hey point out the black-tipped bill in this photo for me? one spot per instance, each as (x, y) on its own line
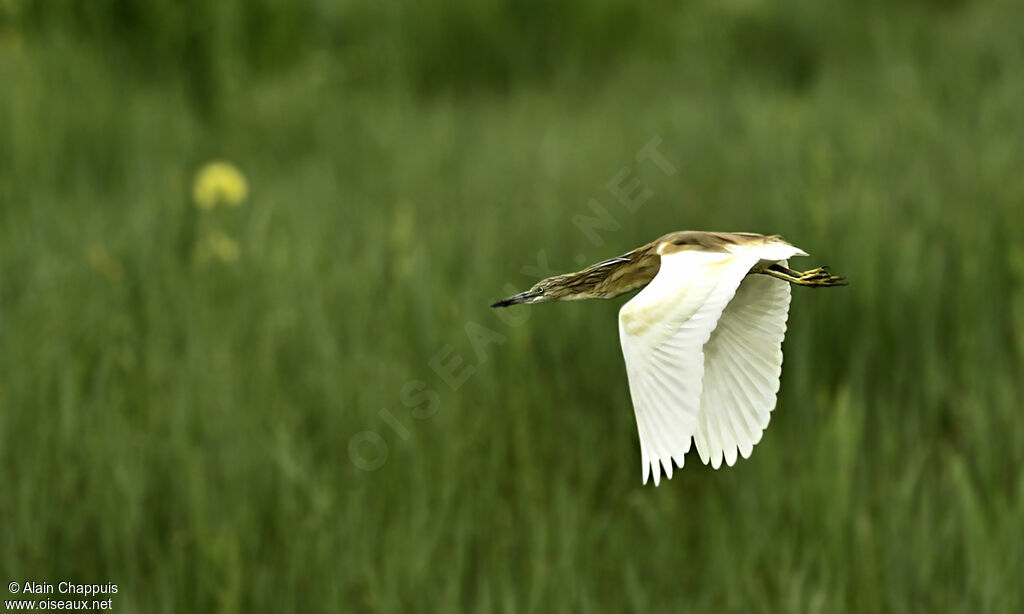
(522, 297)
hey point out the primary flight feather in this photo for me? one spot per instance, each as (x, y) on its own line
(702, 340)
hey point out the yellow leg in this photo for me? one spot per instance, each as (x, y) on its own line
(815, 278)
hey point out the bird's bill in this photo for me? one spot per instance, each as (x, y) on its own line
(523, 297)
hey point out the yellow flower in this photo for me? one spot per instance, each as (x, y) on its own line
(219, 183)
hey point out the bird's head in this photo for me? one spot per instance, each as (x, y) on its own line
(550, 289)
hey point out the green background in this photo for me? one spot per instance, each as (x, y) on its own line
(186, 429)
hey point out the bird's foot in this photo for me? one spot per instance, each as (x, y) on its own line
(819, 277)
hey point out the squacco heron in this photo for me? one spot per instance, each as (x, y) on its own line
(702, 340)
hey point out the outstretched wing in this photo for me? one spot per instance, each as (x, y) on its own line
(742, 364)
(663, 330)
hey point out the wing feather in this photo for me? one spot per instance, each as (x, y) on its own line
(663, 330)
(742, 363)
(703, 350)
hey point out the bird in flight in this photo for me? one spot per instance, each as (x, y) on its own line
(702, 340)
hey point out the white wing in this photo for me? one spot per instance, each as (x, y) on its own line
(663, 330)
(742, 364)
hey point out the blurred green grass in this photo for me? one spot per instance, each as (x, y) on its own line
(183, 430)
